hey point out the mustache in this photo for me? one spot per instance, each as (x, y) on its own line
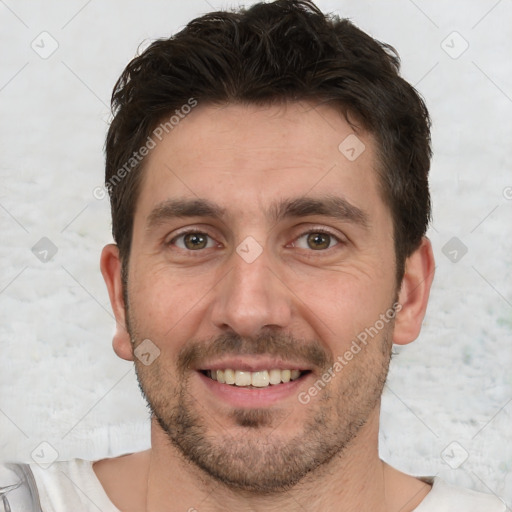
(283, 345)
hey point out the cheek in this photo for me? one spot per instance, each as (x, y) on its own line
(340, 305)
(162, 301)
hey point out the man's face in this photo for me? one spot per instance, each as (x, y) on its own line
(259, 245)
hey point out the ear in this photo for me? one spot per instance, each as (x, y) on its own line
(414, 293)
(110, 264)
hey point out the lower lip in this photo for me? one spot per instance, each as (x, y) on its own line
(253, 397)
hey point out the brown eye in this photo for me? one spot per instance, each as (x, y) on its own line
(318, 241)
(194, 241)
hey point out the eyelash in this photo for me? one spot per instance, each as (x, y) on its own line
(308, 232)
(185, 233)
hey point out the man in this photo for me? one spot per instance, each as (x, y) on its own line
(267, 171)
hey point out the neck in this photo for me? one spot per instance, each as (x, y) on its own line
(354, 480)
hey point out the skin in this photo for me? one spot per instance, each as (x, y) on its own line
(304, 299)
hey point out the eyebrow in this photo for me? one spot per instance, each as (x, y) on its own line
(328, 206)
(181, 208)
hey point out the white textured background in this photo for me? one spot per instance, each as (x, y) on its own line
(61, 383)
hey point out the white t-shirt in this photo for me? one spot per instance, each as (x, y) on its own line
(73, 486)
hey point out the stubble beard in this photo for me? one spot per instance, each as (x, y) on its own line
(255, 457)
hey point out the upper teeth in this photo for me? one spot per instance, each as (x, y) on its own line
(259, 379)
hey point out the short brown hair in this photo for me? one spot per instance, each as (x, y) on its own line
(287, 50)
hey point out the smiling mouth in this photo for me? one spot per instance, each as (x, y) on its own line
(259, 379)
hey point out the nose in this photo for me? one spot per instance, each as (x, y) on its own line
(251, 297)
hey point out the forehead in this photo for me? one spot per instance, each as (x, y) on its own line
(246, 156)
